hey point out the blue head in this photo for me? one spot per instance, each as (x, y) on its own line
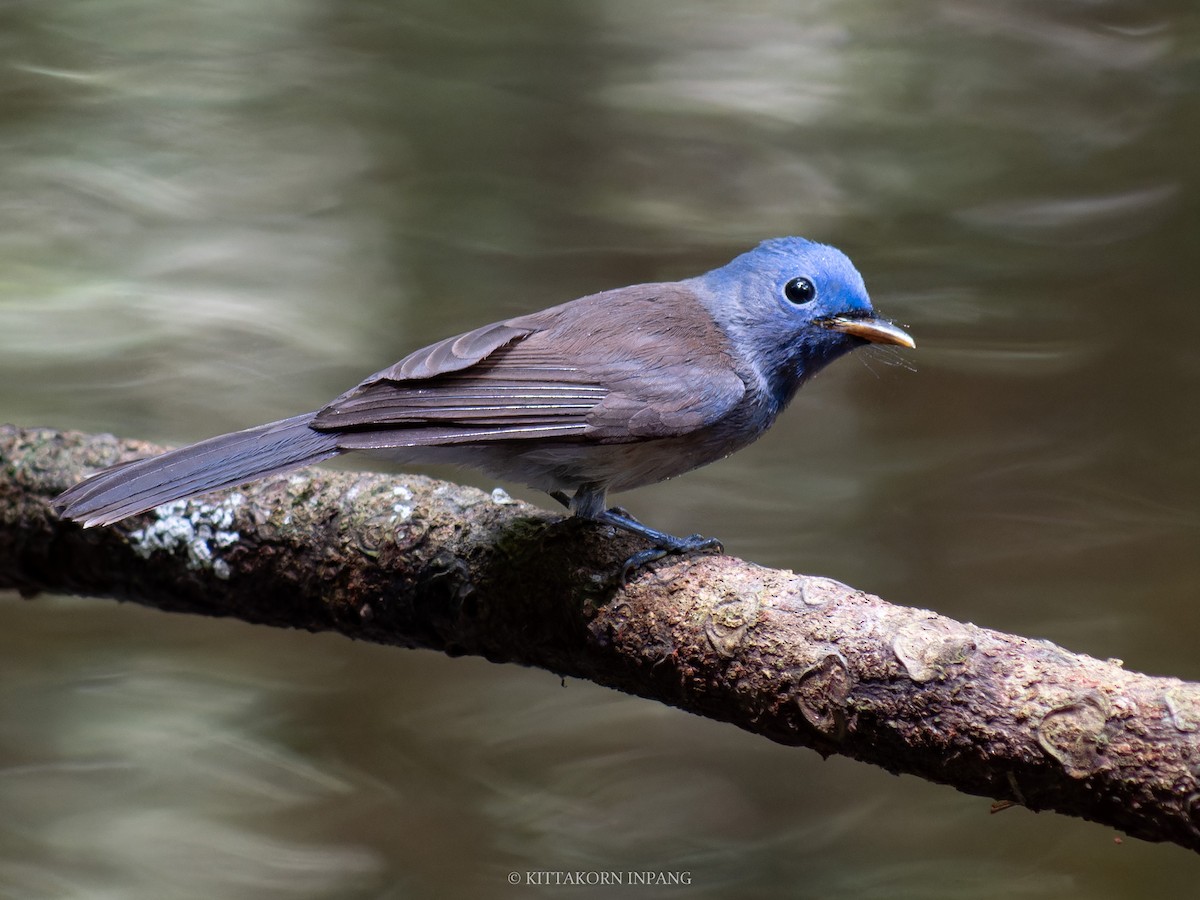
(791, 307)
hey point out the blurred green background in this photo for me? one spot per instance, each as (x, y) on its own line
(217, 213)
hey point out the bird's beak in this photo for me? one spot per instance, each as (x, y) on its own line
(877, 331)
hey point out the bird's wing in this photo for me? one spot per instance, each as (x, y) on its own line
(630, 364)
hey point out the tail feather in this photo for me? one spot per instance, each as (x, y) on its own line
(219, 462)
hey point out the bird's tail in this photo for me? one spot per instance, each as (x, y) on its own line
(219, 462)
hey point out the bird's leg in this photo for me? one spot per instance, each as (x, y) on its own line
(663, 542)
(588, 502)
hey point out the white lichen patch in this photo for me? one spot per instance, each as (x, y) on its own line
(200, 529)
(402, 509)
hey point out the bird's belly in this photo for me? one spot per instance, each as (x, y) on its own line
(566, 465)
(617, 466)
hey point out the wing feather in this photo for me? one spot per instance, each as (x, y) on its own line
(453, 353)
(576, 371)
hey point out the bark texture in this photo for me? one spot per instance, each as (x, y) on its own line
(804, 661)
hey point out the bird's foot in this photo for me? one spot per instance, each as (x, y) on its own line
(696, 543)
(664, 544)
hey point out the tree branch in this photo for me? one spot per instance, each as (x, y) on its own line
(804, 661)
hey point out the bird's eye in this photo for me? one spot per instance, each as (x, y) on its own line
(799, 290)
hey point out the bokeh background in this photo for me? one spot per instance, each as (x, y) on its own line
(216, 213)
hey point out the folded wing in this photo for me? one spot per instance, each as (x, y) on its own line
(630, 364)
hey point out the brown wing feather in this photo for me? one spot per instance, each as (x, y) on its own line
(578, 370)
(453, 354)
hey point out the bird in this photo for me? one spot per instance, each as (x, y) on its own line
(608, 392)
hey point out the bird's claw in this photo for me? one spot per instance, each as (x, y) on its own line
(639, 559)
(696, 543)
(661, 543)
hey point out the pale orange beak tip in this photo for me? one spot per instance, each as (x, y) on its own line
(877, 331)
